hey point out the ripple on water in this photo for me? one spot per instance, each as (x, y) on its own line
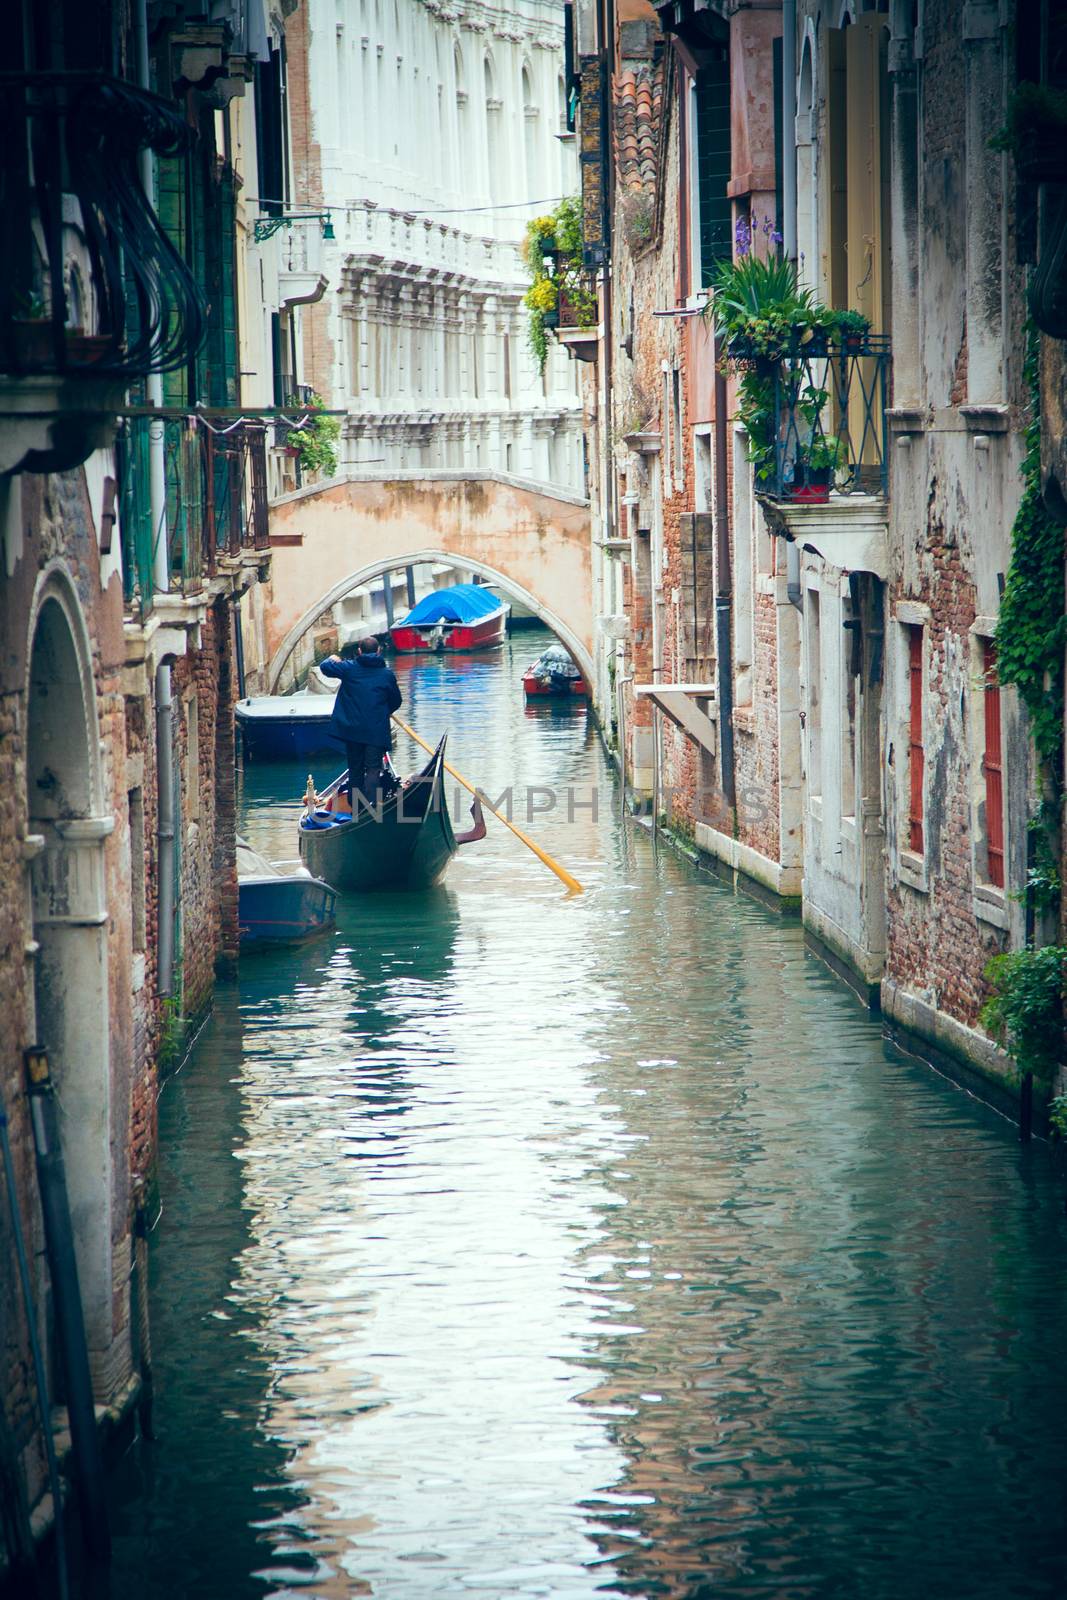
(585, 1247)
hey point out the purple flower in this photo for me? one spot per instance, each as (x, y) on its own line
(743, 235)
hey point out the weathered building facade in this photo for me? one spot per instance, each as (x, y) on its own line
(429, 138)
(133, 518)
(804, 679)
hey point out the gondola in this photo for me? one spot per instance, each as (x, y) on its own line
(405, 840)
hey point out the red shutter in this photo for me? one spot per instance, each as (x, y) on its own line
(916, 755)
(993, 769)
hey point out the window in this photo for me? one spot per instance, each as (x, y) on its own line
(814, 708)
(916, 754)
(744, 587)
(668, 441)
(713, 165)
(676, 429)
(992, 768)
(848, 722)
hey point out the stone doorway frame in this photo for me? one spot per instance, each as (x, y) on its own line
(68, 824)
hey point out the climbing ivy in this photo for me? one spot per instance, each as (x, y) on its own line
(1030, 630)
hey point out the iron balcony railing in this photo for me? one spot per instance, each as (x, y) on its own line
(830, 430)
(91, 282)
(215, 501)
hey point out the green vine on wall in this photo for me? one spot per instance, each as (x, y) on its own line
(1025, 1011)
(317, 440)
(1030, 630)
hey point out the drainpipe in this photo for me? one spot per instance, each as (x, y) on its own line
(789, 129)
(157, 480)
(72, 1347)
(723, 588)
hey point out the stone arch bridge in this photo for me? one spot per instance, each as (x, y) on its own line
(326, 541)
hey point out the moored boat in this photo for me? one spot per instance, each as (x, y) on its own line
(405, 840)
(285, 727)
(464, 616)
(279, 902)
(554, 674)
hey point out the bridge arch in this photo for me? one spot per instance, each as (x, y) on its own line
(375, 569)
(533, 540)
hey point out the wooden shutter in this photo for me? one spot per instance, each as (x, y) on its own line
(697, 612)
(916, 754)
(993, 769)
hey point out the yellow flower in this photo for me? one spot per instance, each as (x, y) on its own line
(541, 296)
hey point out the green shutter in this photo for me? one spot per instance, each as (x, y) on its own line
(713, 164)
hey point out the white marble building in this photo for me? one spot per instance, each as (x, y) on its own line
(440, 131)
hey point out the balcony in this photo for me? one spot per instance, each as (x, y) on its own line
(93, 293)
(822, 467)
(210, 518)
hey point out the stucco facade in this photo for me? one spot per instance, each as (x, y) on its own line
(809, 691)
(121, 579)
(431, 138)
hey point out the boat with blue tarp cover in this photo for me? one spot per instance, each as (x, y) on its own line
(465, 616)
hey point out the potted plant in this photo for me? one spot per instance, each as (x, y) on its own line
(815, 338)
(816, 465)
(558, 295)
(315, 444)
(852, 328)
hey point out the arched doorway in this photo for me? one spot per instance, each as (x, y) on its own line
(66, 829)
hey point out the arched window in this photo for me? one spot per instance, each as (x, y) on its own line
(462, 112)
(531, 133)
(566, 142)
(494, 129)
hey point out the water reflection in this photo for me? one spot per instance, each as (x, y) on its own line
(518, 1245)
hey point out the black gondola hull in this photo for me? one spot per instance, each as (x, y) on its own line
(405, 842)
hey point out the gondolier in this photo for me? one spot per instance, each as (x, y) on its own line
(367, 697)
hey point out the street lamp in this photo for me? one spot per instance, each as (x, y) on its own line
(266, 227)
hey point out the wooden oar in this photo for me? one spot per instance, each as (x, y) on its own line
(561, 872)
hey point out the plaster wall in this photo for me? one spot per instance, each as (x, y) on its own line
(954, 491)
(433, 138)
(339, 535)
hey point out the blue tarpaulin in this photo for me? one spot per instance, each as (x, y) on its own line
(463, 602)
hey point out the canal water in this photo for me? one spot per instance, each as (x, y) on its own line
(522, 1245)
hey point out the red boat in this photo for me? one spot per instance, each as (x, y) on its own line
(554, 675)
(461, 617)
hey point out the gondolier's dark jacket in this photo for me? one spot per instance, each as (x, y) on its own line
(368, 693)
